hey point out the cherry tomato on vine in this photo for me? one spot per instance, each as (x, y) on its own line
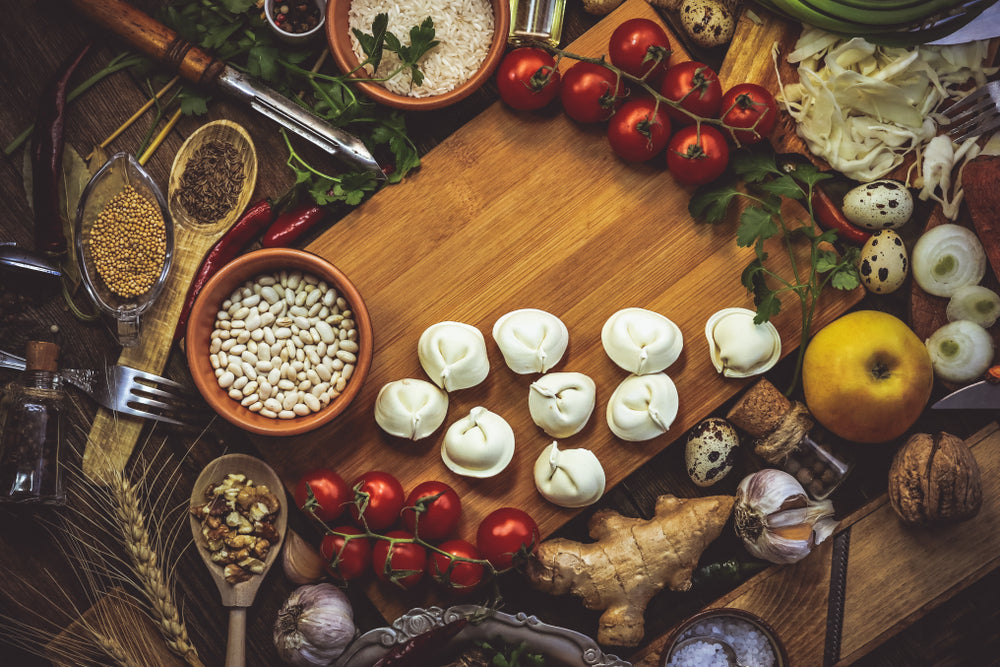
(347, 558)
(749, 105)
(590, 93)
(696, 87)
(328, 488)
(641, 48)
(697, 154)
(432, 519)
(407, 564)
(504, 534)
(639, 130)
(527, 78)
(381, 497)
(464, 576)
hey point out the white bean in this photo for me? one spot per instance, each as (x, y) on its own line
(239, 383)
(226, 380)
(301, 409)
(286, 414)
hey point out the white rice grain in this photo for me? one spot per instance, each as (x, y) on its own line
(464, 29)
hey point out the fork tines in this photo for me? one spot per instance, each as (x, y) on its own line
(154, 396)
(975, 114)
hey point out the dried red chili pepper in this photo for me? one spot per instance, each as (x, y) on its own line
(291, 225)
(252, 222)
(829, 216)
(423, 648)
(46, 158)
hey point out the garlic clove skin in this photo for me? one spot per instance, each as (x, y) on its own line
(740, 348)
(642, 407)
(301, 563)
(641, 341)
(410, 408)
(453, 354)
(776, 519)
(569, 478)
(481, 444)
(531, 340)
(561, 403)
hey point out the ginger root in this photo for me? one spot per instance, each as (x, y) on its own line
(631, 561)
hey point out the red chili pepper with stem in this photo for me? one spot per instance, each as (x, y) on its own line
(251, 223)
(291, 225)
(46, 158)
(829, 216)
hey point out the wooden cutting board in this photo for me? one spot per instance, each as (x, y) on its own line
(531, 210)
(895, 575)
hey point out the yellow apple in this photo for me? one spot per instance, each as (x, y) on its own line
(867, 376)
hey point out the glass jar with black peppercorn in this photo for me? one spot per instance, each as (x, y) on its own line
(31, 431)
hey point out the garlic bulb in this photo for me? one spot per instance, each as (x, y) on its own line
(314, 626)
(777, 520)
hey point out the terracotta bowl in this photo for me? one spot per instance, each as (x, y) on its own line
(338, 36)
(201, 323)
(780, 654)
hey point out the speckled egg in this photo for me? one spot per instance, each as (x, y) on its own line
(711, 451)
(884, 204)
(883, 263)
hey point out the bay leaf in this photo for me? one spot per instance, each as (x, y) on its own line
(75, 176)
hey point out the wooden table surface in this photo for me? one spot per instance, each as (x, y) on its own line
(38, 36)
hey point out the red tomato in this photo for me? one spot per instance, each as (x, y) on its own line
(697, 154)
(463, 576)
(749, 105)
(639, 130)
(432, 519)
(406, 566)
(347, 558)
(696, 87)
(590, 93)
(527, 78)
(380, 496)
(641, 48)
(329, 490)
(506, 533)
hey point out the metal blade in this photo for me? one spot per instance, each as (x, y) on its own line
(982, 395)
(335, 141)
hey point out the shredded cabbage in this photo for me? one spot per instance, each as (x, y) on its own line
(863, 108)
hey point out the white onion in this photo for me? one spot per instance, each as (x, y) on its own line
(976, 303)
(961, 351)
(947, 257)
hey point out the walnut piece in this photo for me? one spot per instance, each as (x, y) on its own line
(935, 479)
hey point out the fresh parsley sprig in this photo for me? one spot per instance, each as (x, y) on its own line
(381, 39)
(766, 186)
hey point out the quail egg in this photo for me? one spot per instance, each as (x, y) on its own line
(710, 451)
(883, 204)
(883, 263)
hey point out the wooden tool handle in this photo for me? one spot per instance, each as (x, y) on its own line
(236, 646)
(152, 38)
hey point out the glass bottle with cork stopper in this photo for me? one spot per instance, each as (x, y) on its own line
(786, 435)
(31, 431)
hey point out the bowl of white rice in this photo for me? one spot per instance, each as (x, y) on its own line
(753, 641)
(472, 36)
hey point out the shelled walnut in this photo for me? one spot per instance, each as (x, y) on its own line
(237, 522)
(935, 479)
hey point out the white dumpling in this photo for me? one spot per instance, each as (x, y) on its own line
(642, 407)
(531, 340)
(570, 477)
(481, 444)
(641, 341)
(453, 355)
(410, 408)
(561, 403)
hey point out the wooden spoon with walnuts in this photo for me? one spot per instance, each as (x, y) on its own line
(238, 519)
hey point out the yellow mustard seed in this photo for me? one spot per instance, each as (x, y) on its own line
(129, 243)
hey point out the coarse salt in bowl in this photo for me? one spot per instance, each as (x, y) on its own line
(755, 643)
(472, 35)
(247, 270)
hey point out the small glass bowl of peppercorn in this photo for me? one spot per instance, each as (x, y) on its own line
(295, 21)
(124, 240)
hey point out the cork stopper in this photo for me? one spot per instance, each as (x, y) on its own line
(41, 356)
(761, 410)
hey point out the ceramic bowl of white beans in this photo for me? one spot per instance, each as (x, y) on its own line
(279, 342)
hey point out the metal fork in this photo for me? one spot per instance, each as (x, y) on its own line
(130, 391)
(975, 114)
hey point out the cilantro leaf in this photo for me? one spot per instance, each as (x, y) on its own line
(755, 223)
(262, 62)
(711, 203)
(754, 166)
(783, 186)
